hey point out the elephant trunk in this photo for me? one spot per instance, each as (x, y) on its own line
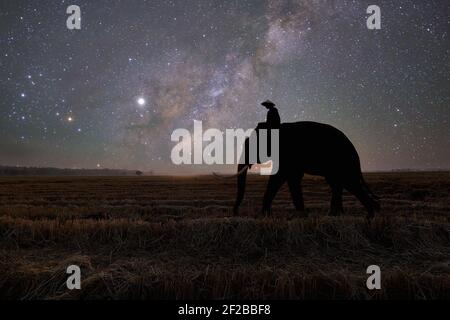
(241, 180)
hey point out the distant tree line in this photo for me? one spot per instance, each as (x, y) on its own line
(36, 171)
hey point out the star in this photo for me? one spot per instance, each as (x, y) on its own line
(141, 101)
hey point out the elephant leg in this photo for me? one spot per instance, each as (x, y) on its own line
(336, 206)
(357, 189)
(295, 187)
(274, 184)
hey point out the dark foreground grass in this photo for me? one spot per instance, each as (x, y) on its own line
(146, 238)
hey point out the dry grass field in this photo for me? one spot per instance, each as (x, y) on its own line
(175, 238)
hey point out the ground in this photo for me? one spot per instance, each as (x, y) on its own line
(176, 238)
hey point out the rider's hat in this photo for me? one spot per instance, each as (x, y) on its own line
(268, 104)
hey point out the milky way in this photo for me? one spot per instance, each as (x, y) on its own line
(110, 95)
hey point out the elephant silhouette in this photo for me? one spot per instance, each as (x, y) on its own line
(316, 149)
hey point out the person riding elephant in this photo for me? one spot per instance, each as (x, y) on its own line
(273, 118)
(273, 121)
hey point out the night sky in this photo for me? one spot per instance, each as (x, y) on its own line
(110, 94)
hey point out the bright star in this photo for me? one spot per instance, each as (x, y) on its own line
(141, 101)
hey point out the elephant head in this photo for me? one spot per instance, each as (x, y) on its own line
(251, 155)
